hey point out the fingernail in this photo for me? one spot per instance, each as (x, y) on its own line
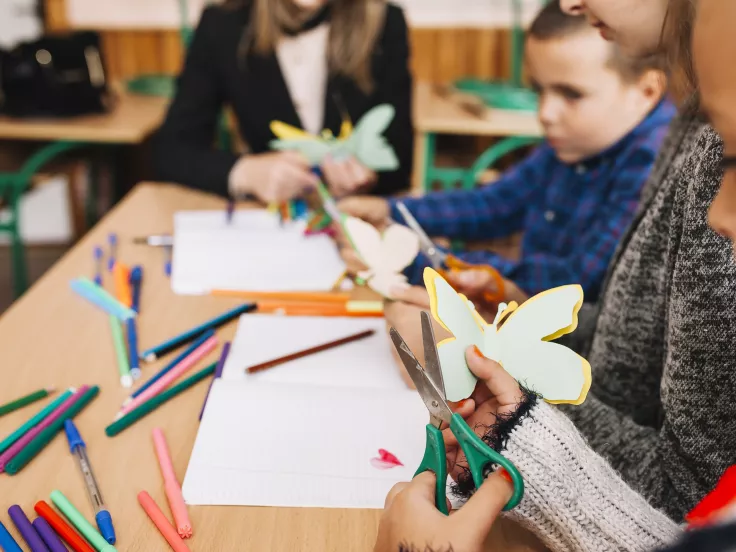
(503, 473)
(477, 352)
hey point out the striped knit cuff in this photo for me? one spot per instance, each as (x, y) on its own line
(573, 499)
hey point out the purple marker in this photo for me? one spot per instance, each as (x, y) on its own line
(48, 535)
(98, 265)
(218, 373)
(230, 209)
(21, 521)
(113, 241)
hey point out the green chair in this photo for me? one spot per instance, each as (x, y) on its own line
(12, 187)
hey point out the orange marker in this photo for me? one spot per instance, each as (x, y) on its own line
(121, 275)
(162, 524)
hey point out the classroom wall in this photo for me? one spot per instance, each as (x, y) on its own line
(440, 53)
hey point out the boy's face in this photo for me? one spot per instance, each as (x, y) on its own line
(584, 105)
(714, 49)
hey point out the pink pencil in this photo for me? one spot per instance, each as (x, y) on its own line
(20, 444)
(198, 354)
(171, 485)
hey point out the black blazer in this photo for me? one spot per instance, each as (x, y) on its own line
(213, 76)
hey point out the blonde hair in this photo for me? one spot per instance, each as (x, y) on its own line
(355, 26)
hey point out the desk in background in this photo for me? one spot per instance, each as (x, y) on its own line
(440, 113)
(50, 336)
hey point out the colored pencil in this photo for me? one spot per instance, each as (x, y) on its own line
(23, 442)
(23, 524)
(300, 310)
(183, 367)
(7, 542)
(146, 408)
(136, 282)
(171, 365)
(46, 436)
(310, 351)
(34, 420)
(171, 485)
(62, 528)
(121, 355)
(218, 374)
(175, 342)
(26, 400)
(48, 535)
(158, 518)
(289, 296)
(80, 523)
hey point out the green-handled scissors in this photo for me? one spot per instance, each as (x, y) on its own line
(430, 385)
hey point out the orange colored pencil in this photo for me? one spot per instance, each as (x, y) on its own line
(308, 296)
(308, 310)
(123, 292)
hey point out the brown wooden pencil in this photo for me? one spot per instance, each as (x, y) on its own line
(307, 352)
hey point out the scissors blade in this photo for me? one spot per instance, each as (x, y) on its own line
(433, 399)
(432, 365)
(427, 245)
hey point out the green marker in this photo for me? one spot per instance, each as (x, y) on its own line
(6, 443)
(80, 523)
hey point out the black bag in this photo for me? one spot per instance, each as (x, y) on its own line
(54, 76)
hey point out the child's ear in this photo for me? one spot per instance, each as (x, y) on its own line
(653, 84)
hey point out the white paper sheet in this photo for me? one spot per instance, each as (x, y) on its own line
(287, 445)
(364, 363)
(253, 254)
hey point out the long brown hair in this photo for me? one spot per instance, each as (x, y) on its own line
(677, 49)
(355, 26)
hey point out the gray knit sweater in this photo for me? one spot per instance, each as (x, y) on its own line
(659, 425)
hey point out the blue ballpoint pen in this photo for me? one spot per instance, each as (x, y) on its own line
(79, 450)
(136, 279)
(113, 240)
(132, 333)
(98, 265)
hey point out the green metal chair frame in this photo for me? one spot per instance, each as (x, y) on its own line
(12, 187)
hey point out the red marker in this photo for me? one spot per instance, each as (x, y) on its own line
(61, 527)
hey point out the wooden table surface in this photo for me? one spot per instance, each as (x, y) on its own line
(51, 337)
(131, 121)
(441, 114)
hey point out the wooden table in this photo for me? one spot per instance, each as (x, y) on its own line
(441, 113)
(50, 336)
(131, 121)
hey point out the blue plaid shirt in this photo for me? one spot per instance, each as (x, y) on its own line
(572, 216)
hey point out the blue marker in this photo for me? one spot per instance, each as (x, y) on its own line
(136, 279)
(167, 262)
(113, 241)
(98, 265)
(79, 450)
(132, 332)
(7, 542)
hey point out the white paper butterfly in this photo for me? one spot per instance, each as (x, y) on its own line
(386, 255)
(522, 345)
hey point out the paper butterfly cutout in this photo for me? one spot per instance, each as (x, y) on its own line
(521, 345)
(365, 142)
(385, 460)
(717, 505)
(386, 255)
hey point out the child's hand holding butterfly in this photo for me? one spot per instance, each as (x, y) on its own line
(496, 394)
(373, 210)
(347, 176)
(474, 282)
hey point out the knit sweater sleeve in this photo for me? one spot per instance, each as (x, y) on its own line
(574, 499)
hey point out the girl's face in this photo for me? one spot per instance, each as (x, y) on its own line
(635, 25)
(714, 49)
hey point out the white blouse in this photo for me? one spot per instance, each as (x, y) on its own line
(303, 62)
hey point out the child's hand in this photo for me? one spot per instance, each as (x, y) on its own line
(353, 263)
(347, 176)
(474, 282)
(411, 520)
(272, 177)
(373, 210)
(496, 394)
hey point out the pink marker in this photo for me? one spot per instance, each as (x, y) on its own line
(171, 486)
(170, 377)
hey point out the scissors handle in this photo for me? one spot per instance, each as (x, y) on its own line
(435, 460)
(493, 297)
(480, 455)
